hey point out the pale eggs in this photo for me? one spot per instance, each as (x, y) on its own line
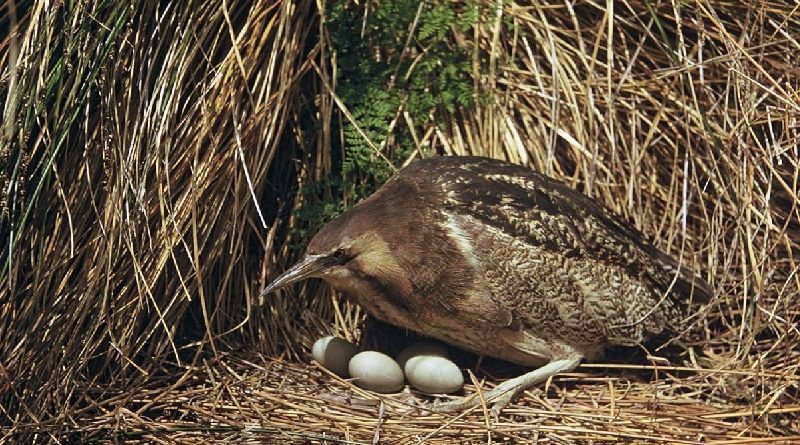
(434, 374)
(428, 369)
(375, 371)
(334, 354)
(420, 349)
(424, 364)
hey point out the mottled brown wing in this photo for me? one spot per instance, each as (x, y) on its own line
(584, 268)
(548, 213)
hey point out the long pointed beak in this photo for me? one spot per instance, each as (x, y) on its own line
(307, 267)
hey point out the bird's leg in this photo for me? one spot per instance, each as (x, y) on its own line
(505, 392)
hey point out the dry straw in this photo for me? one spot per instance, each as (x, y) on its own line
(150, 157)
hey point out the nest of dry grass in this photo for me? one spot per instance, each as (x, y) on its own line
(151, 159)
(256, 399)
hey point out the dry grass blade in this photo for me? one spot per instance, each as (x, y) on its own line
(142, 135)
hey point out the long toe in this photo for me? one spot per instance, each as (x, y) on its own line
(505, 392)
(503, 400)
(501, 395)
(457, 405)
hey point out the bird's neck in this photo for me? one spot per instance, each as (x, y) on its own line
(381, 298)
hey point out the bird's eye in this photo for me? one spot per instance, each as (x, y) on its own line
(339, 254)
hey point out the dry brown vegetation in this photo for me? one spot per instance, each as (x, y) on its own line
(151, 157)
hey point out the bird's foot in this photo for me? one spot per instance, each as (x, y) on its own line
(503, 400)
(453, 406)
(411, 404)
(502, 394)
(500, 397)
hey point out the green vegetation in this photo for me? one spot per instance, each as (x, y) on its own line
(396, 58)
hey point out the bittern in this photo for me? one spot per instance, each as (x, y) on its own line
(502, 261)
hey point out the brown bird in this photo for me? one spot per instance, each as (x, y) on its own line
(502, 261)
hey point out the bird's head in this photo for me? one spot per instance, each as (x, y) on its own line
(344, 252)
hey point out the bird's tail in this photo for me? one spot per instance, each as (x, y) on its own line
(685, 283)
